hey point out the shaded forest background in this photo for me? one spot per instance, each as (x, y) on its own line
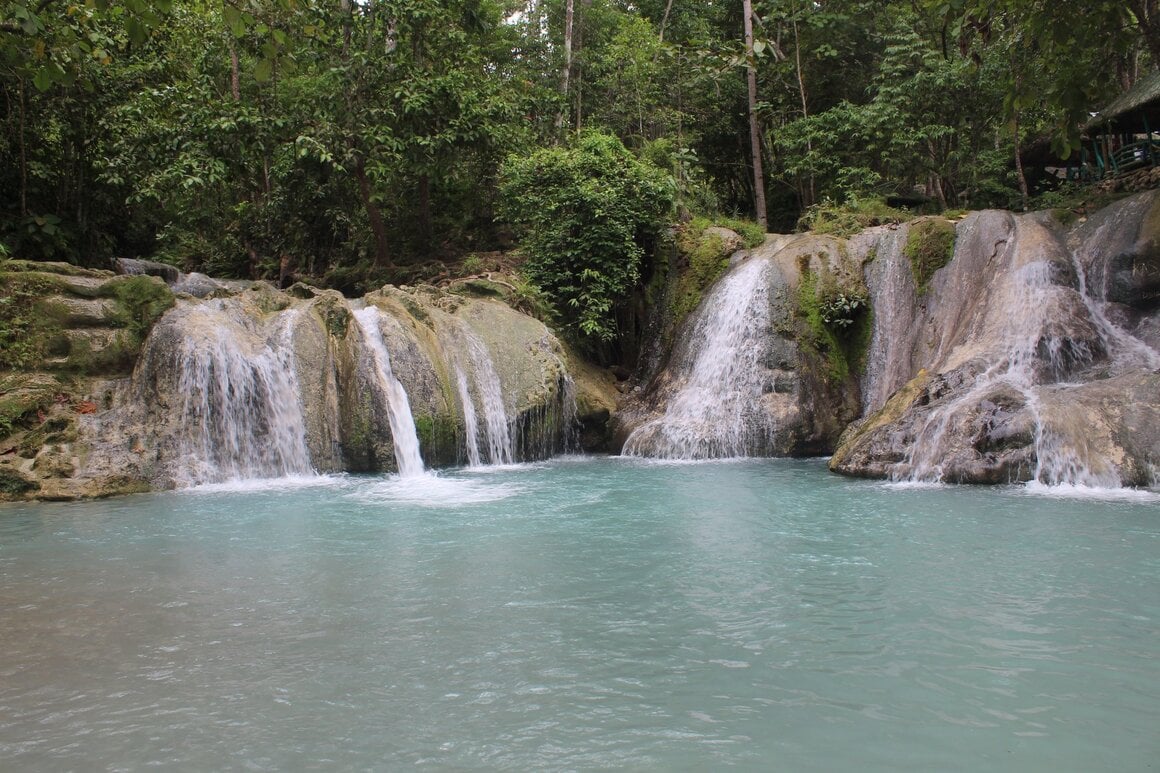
(345, 140)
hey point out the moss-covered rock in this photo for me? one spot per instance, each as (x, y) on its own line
(24, 397)
(14, 485)
(930, 245)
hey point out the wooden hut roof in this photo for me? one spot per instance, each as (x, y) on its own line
(1134, 108)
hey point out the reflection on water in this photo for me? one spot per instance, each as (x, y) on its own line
(582, 614)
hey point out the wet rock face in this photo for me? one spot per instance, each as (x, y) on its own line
(263, 383)
(1038, 349)
(758, 370)
(256, 382)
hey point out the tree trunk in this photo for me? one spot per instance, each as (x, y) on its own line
(566, 75)
(1023, 191)
(347, 9)
(374, 215)
(23, 156)
(235, 70)
(665, 21)
(797, 55)
(577, 45)
(1147, 13)
(424, 196)
(754, 128)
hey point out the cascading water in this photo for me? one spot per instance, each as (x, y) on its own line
(715, 413)
(496, 431)
(470, 421)
(1035, 356)
(240, 403)
(403, 433)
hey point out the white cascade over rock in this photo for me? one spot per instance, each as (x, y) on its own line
(490, 441)
(403, 432)
(237, 386)
(714, 413)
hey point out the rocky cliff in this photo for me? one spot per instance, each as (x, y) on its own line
(995, 348)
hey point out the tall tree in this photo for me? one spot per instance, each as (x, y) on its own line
(754, 126)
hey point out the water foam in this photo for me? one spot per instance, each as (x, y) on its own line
(433, 490)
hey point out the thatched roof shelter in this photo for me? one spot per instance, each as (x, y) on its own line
(1136, 110)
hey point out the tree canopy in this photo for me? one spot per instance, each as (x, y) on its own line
(338, 136)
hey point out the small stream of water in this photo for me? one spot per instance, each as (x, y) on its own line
(403, 433)
(715, 412)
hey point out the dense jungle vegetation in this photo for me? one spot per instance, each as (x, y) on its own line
(360, 141)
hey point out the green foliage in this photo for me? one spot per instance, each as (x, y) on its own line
(526, 296)
(841, 310)
(695, 191)
(930, 245)
(752, 235)
(836, 322)
(253, 138)
(845, 220)
(472, 264)
(587, 212)
(41, 237)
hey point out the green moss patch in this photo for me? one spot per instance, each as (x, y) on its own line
(30, 323)
(13, 484)
(835, 322)
(438, 438)
(63, 269)
(930, 245)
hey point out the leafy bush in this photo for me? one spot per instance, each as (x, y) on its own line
(845, 220)
(842, 309)
(587, 213)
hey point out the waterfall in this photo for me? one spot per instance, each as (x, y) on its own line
(470, 422)
(486, 398)
(239, 399)
(1044, 331)
(716, 411)
(403, 434)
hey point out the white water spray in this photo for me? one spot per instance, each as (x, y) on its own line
(1035, 358)
(716, 412)
(403, 433)
(240, 403)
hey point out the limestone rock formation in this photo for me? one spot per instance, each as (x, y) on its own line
(264, 383)
(1031, 355)
(767, 364)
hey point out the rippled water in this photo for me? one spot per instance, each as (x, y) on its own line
(583, 614)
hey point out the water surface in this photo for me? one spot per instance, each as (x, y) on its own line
(583, 614)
